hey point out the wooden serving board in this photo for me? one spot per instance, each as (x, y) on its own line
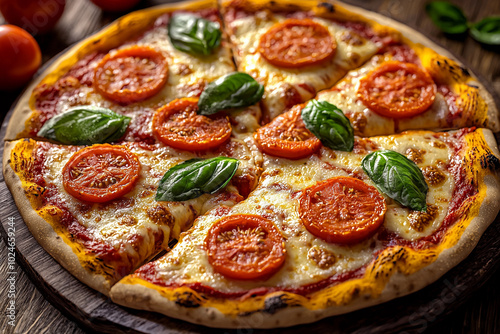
(97, 313)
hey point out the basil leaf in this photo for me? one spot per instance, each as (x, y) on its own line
(85, 125)
(194, 35)
(487, 30)
(195, 177)
(398, 177)
(329, 124)
(233, 90)
(447, 17)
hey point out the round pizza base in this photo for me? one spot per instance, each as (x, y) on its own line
(399, 284)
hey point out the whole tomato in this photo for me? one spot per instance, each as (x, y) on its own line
(35, 16)
(115, 5)
(20, 57)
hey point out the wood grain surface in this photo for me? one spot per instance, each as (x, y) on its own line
(481, 312)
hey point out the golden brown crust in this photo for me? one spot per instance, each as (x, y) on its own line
(275, 310)
(44, 232)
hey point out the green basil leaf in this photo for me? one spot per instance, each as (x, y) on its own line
(329, 124)
(195, 177)
(233, 90)
(487, 30)
(398, 177)
(194, 35)
(447, 17)
(85, 125)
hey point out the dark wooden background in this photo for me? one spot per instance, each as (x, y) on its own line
(480, 314)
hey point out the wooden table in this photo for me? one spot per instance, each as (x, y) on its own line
(481, 314)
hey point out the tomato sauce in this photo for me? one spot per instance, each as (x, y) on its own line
(50, 197)
(402, 53)
(451, 100)
(139, 129)
(47, 97)
(149, 273)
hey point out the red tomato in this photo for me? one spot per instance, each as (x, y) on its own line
(287, 136)
(297, 43)
(132, 74)
(397, 90)
(101, 173)
(342, 210)
(178, 125)
(246, 247)
(115, 5)
(20, 57)
(35, 16)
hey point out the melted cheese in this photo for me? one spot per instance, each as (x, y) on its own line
(274, 199)
(245, 38)
(344, 96)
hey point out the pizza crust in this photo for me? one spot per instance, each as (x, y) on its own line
(151, 299)
(45, 234)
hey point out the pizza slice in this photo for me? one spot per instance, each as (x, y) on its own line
(135, 66)
(328, 234)
(298, 49)
(408, 87)
(103, 210)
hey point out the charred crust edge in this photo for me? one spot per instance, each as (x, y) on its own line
(491, 162)
(328, 6)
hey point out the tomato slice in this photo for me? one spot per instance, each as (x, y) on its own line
(397, 90)
(131, 75)
(101, 173)
(342, 210)
(178, 125)
(245, 247)
(287, 136)
(297, 43)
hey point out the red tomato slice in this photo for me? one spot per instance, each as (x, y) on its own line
(297, 43)
(101, 173)
(20, 57)
(397, 90)
(342, 210)
(178, 125)
(131, 75)
(245, 247)
(287, 136)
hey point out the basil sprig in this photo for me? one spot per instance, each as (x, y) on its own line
(195, 177)
(194, 35)
(448, 17)
(329, 124)
(451, 20)
(487, 30)
(398, 177)
(85, 125)
(233, 90)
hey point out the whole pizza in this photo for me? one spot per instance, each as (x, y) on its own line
(255, 163)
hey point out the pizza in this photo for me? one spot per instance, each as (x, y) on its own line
(255, 164)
